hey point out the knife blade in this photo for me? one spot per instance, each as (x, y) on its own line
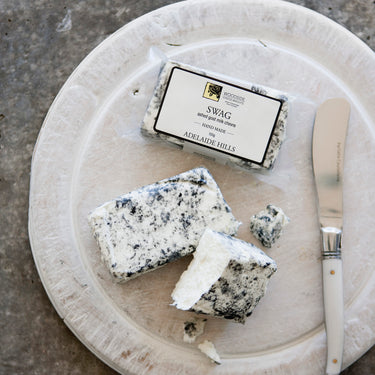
(328, 143)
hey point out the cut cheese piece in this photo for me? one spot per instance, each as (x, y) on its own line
(158, 223)
(268, 224)
(226, 278)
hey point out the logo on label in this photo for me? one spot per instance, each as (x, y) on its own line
(212, 91)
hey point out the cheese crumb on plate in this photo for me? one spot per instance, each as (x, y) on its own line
(193, 328)
(267, 225)
(208, 348)
(158, 223)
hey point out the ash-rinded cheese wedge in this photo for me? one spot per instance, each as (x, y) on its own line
(199, 141)
(226, 278)
(158, 223)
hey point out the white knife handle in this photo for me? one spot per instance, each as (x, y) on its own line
(333, 298)
(334, 313)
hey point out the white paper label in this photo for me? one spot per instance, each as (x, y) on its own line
(217, 115)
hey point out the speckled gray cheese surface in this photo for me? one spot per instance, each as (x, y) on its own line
(158, 223)
(267, 225)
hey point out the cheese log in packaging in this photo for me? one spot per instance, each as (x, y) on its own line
(231, 121)
(158, 223)
(227, 278)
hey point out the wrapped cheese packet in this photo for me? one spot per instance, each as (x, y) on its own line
(231, 121)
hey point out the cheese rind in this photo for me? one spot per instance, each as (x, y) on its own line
(226, 278)
(158, 223)
(267, 225)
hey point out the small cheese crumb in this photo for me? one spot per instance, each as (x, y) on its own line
(158, 223)
(193, 328)
(208, 348)
(268, 224)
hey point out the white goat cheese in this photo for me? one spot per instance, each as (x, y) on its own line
(226, 278)
(267, 225)
(208, 348)
(158, 223)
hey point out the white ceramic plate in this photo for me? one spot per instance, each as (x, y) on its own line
(90, 150)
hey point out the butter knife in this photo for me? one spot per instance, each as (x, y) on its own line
(328, 144)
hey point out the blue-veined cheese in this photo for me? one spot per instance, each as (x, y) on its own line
(158, 223)
(226, 278)
(267, 225)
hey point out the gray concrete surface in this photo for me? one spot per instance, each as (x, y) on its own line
(38, 51)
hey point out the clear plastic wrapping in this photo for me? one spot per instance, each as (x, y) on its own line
(217, 137)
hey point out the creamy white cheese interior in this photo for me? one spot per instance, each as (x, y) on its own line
(158, 223)
(208, 348)
(227, 277)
